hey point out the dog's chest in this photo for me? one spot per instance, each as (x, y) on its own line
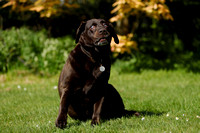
(98, 71)
(101, 70)
(96, 77)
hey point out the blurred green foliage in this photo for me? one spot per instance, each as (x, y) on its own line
(40, 54)
(33, 50)
(161, 44)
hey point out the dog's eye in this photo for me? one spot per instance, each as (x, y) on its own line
(92, 27)
(105, 25)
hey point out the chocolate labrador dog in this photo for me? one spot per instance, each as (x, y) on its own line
(83, 84)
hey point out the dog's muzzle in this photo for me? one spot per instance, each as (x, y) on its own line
(102, 42)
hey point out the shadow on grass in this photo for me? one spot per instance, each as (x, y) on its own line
(131, 113)
(150, 113)
(126, 114)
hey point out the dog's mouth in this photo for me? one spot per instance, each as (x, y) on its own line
(102, 42)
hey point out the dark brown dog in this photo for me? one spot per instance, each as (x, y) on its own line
(83, 83)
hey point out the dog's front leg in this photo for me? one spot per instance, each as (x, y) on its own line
(97, 111)
(61, 120)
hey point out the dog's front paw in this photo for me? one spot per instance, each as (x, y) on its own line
(95, 121)
(61, 123)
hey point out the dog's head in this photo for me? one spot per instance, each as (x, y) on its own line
(96, 32)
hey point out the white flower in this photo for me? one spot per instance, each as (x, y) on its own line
(45, 63)
(49, 121)
(55, 87)
(167, 115)
(25, 89)
(36, 59)
(2, 85)
(177, 118)
(18, 86)
(37, 125)
(187, 119)
(142, 118)
(198, 116)
(183, 114)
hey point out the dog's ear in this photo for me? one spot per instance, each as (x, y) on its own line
(113, 34)
(79, 31)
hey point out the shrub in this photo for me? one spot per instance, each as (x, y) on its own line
(55, 53)
(36, 52)
(32, 50)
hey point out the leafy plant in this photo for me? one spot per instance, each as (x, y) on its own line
(55, 53)
(126, 45)
(151, 8)
(32, 50)
(46, 8)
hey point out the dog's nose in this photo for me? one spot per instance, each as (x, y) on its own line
(103, 32)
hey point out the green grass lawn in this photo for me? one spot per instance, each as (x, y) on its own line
(169, 101)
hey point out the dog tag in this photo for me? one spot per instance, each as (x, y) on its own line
(102, 68)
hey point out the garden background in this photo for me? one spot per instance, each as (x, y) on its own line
(38, 35)
(155, 67)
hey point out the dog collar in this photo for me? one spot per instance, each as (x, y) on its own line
(101, 68)
(87, 53)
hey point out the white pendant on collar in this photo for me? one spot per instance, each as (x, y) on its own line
(102, 68)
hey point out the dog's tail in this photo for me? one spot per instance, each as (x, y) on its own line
(131, 113)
